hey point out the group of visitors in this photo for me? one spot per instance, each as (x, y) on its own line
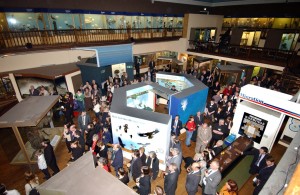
(93, 132)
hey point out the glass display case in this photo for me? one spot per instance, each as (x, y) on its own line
(25, 21)
(22, 21)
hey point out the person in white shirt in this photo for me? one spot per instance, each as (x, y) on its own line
(4, 191)
(42, 164)
(211, 179)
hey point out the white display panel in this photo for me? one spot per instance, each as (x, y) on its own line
(271, 130)
(141, 98)
(134, 133)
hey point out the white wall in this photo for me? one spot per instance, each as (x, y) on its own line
(177, 46)
(274, 122)
(41, 58)
(159, 143)
(69, 81)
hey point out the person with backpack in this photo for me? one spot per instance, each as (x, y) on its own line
(32, 181)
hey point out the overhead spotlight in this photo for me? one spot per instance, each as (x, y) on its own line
(204, 9)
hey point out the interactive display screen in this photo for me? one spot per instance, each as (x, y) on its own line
(253, 126)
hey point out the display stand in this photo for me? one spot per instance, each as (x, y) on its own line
(260, 113)
(27, 113)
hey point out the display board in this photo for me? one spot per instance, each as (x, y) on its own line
(184, 106)
(253, 127)
(133, 133)
(141, 98)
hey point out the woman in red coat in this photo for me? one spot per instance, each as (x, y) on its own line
(191, 127)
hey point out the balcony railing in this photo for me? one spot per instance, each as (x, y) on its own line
(76, 37)
(252, 53)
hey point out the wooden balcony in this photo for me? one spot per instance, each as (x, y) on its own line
(257, 54)
(45, 39)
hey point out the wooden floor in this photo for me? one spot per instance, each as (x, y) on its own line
(13, 175)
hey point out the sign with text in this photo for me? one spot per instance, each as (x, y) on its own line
(253, 127)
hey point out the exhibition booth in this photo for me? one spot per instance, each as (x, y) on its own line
(31, 121)
(109, 61)
(260, 113)
(134, 121)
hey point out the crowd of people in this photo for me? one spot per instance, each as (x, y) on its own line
(92, 132)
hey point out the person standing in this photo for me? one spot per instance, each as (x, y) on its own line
(230, 188)
(135, 165)
(152, 68)
(264, 174)
(210, 109)
(123, 176)
(117, 161)
(198, 121)
(50, 156)
(211, 179)
(33, 91)
(191, 127)
(42, 164)
(144, 181)
(203, 137)
(153, 163)
(170, 180)
(176, 125)
(175, 158)
(83, 121)
(218, 131)
(193, 179)
(259, 160)
(32, 181)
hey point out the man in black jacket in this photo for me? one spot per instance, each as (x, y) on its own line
(135, 165)
(50, 156)
(171, 178)
(259, 160)
(176, 125)
(264, 174)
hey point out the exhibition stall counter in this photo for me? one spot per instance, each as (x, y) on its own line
(232, 153)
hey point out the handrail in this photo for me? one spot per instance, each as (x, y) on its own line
(283, 57)
(13, 39)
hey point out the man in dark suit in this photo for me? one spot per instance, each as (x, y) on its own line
(211, 179)
(117, 161)
(176, 125)
(50, 156)
(193, 179)
(171, 178)
(259, 160)
(83, 121)
(135, 165)
(198, 121)
(152, 68)
(264, 174)
(33, 91)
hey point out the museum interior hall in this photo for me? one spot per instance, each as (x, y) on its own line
(150, 97)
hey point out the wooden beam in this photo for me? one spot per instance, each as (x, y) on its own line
(21, 144)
